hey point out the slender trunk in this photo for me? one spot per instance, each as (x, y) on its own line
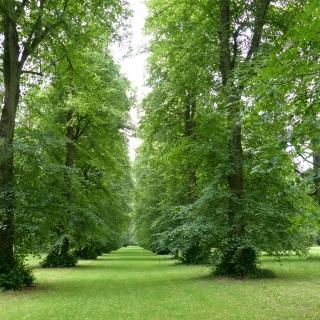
(316, 179)
(235, 176)
(235, 154)
(192, 254)
(70, 143)
(235, 255)
(11, 74)
(60, 256)
(70, 148)
(189, 122)
(238, 257)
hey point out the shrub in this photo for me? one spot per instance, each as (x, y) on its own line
(195, 254)
(163, 251)
(239, 262)
(15, 275)
(58, 258)
(87, 253)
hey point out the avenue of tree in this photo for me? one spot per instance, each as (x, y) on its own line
(64, 168)
(229, 163)
(229, 130)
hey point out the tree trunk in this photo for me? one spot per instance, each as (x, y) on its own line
(316, 179)
(69, 164)
(11, 74)
(59, 256)
(234, 249)
(192, 254)
(238, 258)
(235, 154)
(189, 125)
(70, 143)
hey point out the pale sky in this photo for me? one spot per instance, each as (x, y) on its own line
(133, 67)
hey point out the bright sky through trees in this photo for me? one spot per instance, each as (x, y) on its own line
(133, 65)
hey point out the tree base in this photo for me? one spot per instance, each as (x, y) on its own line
(239, 262)
(88, 253)
(15, 275)
(57, 258)
(195, 255)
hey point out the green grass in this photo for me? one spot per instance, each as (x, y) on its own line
(133, 283)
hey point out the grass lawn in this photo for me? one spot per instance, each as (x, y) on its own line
(133, 283)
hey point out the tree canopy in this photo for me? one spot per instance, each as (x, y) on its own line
(230, 156)
(217, 124)
(64, 168)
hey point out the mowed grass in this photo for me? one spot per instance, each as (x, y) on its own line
(133, 283)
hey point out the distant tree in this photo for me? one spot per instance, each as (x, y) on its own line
(85, 140)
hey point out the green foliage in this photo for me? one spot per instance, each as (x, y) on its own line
(249, 194)
(88, 199)
(47, 39)
(15, 275)
(244, 262)
(57, 257)
(88, 252)
(195, 254)
(110, 246)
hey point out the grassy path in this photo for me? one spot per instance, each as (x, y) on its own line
(133, 283)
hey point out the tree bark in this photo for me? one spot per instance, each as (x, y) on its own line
(70, 155)
(71, 140)
(14, 57)
(316, 179)
(11, 74)
(235, 154)
(189, 125)
(237, 258)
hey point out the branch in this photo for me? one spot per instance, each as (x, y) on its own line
(35, 29)
(298, 171)
(96, 150)
(80, 131)
(160, 12)
(235, 49)
(21, 7)
(36, 36)
(257, 32)
(300, 75)
(304, 158)
(32, 72)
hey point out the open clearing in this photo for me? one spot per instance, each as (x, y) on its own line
(133, 283)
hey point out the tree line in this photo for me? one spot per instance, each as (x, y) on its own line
(229, 164)
(65, 180)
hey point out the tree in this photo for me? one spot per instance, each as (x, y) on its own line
(92, 102)
(221, 44)
(28, 28)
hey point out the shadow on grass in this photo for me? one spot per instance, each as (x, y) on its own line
(313, 258)
(293, 259)
(130, 255)
(137, 258)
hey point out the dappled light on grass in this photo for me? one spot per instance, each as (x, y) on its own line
(133, 283)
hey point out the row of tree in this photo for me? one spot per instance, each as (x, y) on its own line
(229, 131)
(65, 180)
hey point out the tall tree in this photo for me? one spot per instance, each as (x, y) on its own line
(28, 28)
(216, 47)
(92, 100)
